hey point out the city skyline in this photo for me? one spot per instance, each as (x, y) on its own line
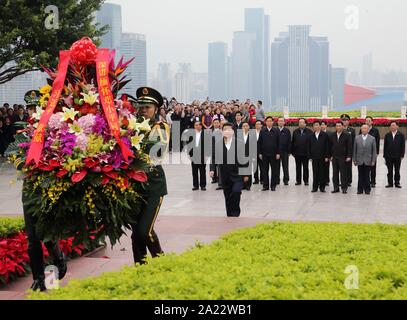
(182, 29)
(245, 70)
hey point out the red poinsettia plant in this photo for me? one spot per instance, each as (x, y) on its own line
(14, 260)
(379, 122)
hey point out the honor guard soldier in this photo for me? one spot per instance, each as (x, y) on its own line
(35, 251)
(347, 128)
(149, 102)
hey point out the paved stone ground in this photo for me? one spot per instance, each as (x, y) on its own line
(294, 203)
(187, 217)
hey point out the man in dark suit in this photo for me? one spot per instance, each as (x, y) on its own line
(319, 153)
(244, 137)
(217, 135)
(347, 128)
(285, 150)
(375, 133)
(324, 128)
(269, 154)
(341, 154)
(394, 151)
(238, 121)
(197, 155)
(299, 148)
(259, 167)
(225, 154)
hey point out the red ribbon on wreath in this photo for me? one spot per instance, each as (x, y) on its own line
(37, 142)
(107, 99)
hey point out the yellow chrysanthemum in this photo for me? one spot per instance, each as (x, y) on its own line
(46, 90)
(44, 100)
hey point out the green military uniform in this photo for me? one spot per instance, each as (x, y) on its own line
(144, 236)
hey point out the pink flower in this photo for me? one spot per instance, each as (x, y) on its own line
(82, 142)
(86, 123)
(55, 122)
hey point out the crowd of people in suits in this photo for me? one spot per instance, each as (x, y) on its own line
(9, 116)
(274, 144)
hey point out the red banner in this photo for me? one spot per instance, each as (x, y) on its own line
(107, 99)
(37, 142)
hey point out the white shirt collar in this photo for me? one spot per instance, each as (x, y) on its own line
(197, 138)
(228, 143)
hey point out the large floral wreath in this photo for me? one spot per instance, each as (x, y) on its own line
(85, 151)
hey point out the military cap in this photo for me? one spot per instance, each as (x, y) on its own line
(345, 117)
(149, 95)
(32, 98)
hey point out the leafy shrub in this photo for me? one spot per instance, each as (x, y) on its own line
(337, 114)
(10, 226)
(271, 261)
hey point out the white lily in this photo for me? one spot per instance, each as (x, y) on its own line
(75, 128)
(132, 123)
(38, 113)
(144, 126)
(90, 98)
(136, 140)
(69, 113)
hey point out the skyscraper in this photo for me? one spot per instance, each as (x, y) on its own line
(254, 23)
(300, 70)
(217, 70)
(367, 69)
(259, 24)
(183, 82)
(134, 45)
(241, 73)
(111, 14)
(338, 79)
(267, 71)
(163, 81)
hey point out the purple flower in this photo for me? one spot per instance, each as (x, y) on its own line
(116, 158)
(100, 124)
(68, 142)
(24, 145)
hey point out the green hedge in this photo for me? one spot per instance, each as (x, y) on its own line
(10, 226)
(337, 114)
(272, 261)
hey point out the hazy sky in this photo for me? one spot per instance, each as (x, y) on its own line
(179, 30)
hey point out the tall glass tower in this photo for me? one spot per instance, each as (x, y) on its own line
(217, 70)
(300, 70)
(135, 45)
(111, 14)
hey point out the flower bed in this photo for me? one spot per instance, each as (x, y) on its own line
(14, 260)
(378, 122)
(271, 261)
